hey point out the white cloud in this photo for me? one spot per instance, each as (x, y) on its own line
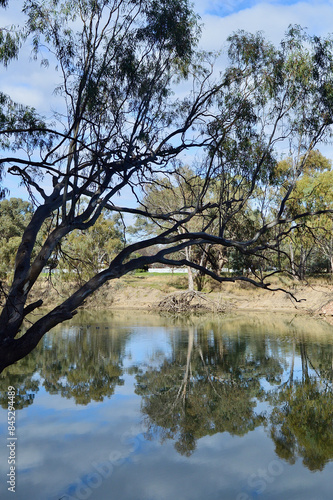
(272, 19)
(33, 85)
(30, 84)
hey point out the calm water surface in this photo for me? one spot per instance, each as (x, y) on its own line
(143, 407)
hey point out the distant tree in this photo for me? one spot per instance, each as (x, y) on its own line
(119, 62)
(312, 193)
(15, 215)
(83, 254)
(172, 196)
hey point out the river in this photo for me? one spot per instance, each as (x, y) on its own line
(138, 406)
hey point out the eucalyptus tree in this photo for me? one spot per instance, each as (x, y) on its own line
(167, 196)
(121, 126)
(82, 254)
(312, 192)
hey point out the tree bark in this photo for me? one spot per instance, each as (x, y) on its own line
(189, 271)
(292, 261)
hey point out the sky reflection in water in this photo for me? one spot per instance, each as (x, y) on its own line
(153, 408)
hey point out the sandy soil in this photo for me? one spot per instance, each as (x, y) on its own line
(136, 292)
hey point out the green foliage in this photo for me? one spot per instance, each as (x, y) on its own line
(82, 367)
(10, 40)
(171, 24)
(110, 61)
(82, 253)
(20, 127)
(14, 217)
(9, 46)
(85, 253)
(313, 178)
(15, 214)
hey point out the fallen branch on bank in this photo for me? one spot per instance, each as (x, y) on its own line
(189, 301)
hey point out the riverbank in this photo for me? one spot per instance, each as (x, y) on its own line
(147, 292)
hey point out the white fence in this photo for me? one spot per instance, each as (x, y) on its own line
(177, 270)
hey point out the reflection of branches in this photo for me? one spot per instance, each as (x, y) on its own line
(81, 367)
(302, 424)
(301, 420)
(290, 379)
(328, 384)
(187, 375)
(190, 399)
(207, 371)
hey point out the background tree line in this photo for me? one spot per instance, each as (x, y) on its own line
(305, 251)
(302, 253)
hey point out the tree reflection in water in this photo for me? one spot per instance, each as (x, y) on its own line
(210, 385)
(211, 382)
(302, 416)
(83, 363)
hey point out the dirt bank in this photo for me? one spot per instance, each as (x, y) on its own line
(146, 292)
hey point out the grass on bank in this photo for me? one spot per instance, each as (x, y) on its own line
(149, 287)
(179, 281)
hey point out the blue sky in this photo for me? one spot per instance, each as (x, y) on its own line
(27, 82)
(223, 8)
(221, 18)
(30, 84)
(227, 7)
